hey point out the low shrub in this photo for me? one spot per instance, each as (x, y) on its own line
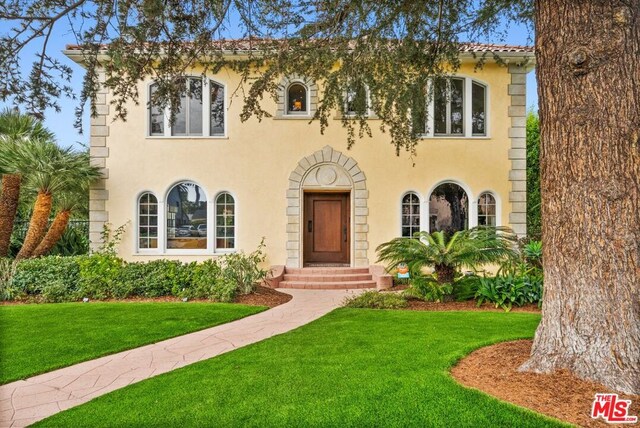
(103, 275)
(58, 276)
(506, 291)
(465, 287)
(427, 288)
(376, 300)
(99, 274)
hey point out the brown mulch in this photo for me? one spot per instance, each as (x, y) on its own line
(469, 305)
(263, 296)
(494, 370)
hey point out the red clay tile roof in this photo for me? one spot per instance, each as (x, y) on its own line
(254, 45)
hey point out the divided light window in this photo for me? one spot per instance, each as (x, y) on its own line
(457, 108)
(357, 99)
(147, 221)
(201, 111)
(410, 215)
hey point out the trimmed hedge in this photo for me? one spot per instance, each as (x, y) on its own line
(105, 276)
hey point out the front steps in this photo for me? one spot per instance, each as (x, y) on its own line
(327, 278)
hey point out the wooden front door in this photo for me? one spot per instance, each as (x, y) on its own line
(326, 228)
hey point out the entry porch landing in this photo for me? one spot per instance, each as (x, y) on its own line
(330, 278)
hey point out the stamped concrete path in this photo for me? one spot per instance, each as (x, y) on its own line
(27, 401)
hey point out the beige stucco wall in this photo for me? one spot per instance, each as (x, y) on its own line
(255, 160)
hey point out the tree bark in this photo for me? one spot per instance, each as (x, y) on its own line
(54, 233)
(445, 274)
(588, 65)
(37, 225)
(8, 208)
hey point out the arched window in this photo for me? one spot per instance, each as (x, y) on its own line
(186, 217)
(297, 99)
(147, 221)
(225, 221)
(486, 210)
(448, 208)
(410, 215)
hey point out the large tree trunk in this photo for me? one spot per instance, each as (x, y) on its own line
(54, 233)
(37, 225)
(588, 55)
(8, 206)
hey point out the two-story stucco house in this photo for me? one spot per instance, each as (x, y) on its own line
(210, 184)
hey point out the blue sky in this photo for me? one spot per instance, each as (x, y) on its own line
(61, 123)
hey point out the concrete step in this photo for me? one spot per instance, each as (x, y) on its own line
(327, 285)
(321, 277)
(326, 270)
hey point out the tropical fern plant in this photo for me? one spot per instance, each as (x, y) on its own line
(448, 254)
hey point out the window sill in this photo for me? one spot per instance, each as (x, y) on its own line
(187, 137)
(294, 117)
(184, 253)
(454, 137)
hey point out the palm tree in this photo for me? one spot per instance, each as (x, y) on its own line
(47, 169)
(447, 254)
(67, 202)
(14, 128)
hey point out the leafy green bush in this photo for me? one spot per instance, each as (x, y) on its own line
(506, 291)
(465, 287)
(427, 288)
(98, 275)
(33, 276)
(244, 269)
(201, 282)
(376, 300)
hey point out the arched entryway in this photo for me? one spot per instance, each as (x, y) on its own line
(332, 183)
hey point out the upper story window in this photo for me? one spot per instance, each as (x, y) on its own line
(410, 215)
(201, 111)
(448, 107)
(297, 99)
(357, 100)
(457, 107)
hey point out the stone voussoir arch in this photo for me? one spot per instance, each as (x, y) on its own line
(328, 169)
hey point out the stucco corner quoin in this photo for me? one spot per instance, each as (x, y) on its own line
(99, 152)
(518, 150)
(327, 170)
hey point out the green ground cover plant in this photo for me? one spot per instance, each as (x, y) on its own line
(38, 338)
(353, 367)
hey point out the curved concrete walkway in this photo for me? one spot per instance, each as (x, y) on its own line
(27, 401)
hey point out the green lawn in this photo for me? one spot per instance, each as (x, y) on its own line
(351, 368)
(38, 338)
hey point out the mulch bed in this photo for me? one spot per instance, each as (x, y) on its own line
(469, 305)
(494, 370)
(263, 296)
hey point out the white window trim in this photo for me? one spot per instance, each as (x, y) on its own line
(467, 108)
(206, 119)
(235, 222)
(420, 203)
(307, 112)
(136, 243)
(498, 200)
(162, 225)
